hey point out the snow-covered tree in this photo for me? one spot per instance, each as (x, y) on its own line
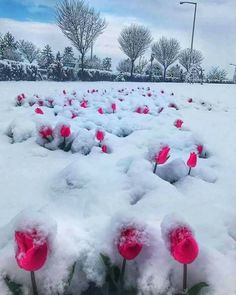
(81, 24)
(175, 72)
(141, 66)
(124, 66)
(134, 41)
(106, 64)
(154, 69)
(9, 48)
(217, 74)
(94, 63)
(166, 52)
(68, 58)
(58, 56)
(46, 57)
(186, 62)
(28, 50)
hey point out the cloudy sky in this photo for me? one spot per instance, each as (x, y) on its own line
(215, 28)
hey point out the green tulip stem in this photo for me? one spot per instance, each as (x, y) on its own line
(122, 277)
(185, 271)
(155, 168)
(34, 285)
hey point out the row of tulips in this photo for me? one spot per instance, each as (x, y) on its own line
(47, 133)
(164, 154)
(33, 249)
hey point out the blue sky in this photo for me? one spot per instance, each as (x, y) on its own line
(215, 28)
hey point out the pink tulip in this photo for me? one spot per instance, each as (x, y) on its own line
(100, 110)
(100, 135)
(178, 123)
(192, 161)
(39, 111)
(113, 106)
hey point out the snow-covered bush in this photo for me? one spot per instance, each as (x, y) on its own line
(16, 71)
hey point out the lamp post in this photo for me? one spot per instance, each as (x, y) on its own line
(193, 30)
(234, 77)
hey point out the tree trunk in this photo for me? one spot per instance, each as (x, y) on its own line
(164, 74)
(132, 69)
(82, 67)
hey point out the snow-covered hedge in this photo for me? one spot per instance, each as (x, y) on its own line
(16, 71)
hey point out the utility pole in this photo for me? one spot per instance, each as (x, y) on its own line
(234, 77)
(193, 29)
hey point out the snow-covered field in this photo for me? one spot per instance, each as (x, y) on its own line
(89, 197)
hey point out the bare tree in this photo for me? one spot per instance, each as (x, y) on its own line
(28, 50)
(166, 52)
(217, 74)
(134, 41)
(187, 60)
(81, 24)
(124, 66)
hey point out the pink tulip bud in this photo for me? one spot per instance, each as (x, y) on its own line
(192, 161)
(84, 104)
(65, 131)
(113, 106)
(139, 110)
(200, 149)
(104, 149)
(31, 251)
(100, 135)
(183, 246)
(39, 111)
(163, 155)
(100, 111)
(146, 110)
(178, 123)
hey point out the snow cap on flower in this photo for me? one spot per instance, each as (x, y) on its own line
(130, 242)
(34, 236)
(179, 239)
(178, 123)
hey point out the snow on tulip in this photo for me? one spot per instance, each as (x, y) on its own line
(84, 104)
(192, 161)
(146, 110)
(19, 100)
(130, 243)
(46, 132)
(129, 246)
(178, 123)
(180, 242)
(31, 253)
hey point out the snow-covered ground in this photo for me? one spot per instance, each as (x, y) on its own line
(90, 196)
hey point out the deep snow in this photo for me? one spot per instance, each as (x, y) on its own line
(90, 197)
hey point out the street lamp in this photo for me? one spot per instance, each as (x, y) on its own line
(234, 78)
(193, 30)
